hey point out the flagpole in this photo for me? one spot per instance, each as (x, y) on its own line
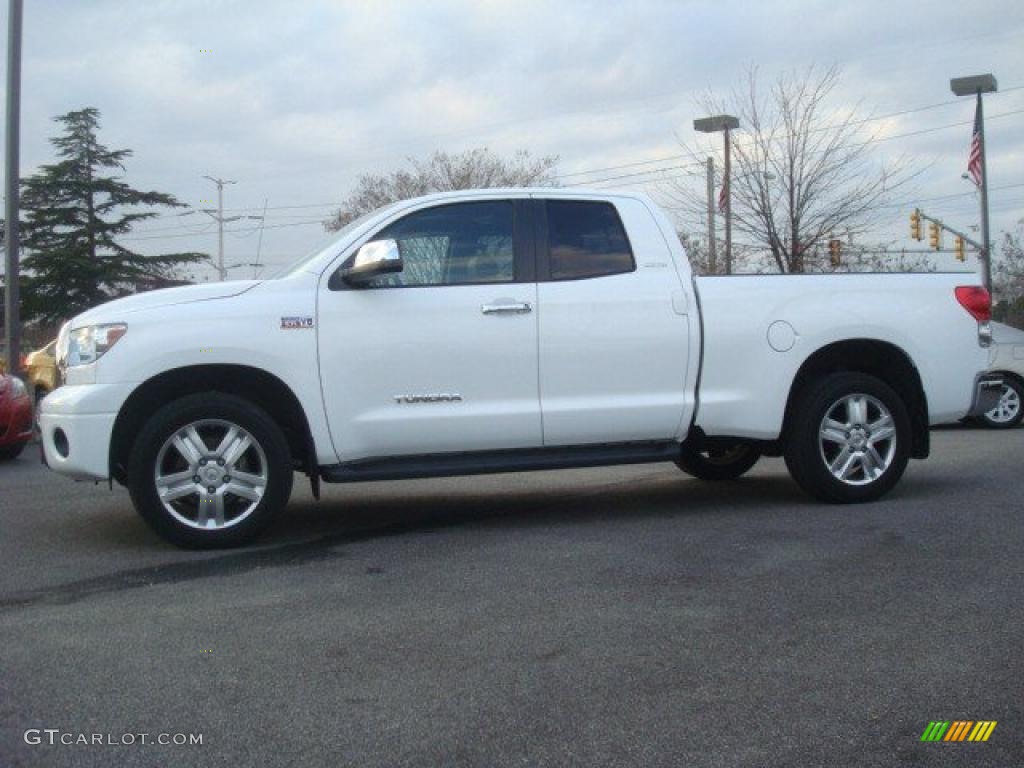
(986, 262)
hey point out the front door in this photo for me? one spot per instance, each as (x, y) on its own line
(442, 356)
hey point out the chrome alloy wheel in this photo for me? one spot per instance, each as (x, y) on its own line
(211, 474)
(1008, 407)
(857, 438)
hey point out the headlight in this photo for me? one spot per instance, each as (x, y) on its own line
(88, 344)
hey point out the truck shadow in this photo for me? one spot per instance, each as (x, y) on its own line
(313, 531)
(348, 510)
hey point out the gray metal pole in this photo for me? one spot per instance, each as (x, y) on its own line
(727, 181)
(220, 231)
(12, 241)
(986, 257)
(712, 247)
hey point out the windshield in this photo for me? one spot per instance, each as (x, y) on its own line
(324, 246)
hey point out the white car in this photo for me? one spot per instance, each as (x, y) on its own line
(506, 330)
(1007, 361)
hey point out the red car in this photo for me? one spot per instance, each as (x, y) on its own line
(15, 417)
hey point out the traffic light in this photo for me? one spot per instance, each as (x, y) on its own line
(958, 246)
(934, 235)
(915, 224)
(835, 252)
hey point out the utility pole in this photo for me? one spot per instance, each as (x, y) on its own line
(712, 249)
(259, 241)
(976, 85)
(12, 316)
(219, 218)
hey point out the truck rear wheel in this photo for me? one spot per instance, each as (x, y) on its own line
(210, 470)
(722, 462)
(849, 439)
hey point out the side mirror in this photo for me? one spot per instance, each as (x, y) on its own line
(375, 258)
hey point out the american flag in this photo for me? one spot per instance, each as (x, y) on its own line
(974, 158)
(722, 195)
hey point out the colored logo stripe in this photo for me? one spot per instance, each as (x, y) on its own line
(982, 730)
(958, 730)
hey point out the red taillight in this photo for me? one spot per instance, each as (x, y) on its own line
(975, 300)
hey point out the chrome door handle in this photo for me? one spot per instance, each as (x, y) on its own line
(512, 308)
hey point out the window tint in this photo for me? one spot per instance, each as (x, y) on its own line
(586, 240)
(453, 244)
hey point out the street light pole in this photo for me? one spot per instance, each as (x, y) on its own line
(727, 176)
(976, 85)
(987, 262)
(12, 241)
(714, 124)
(712, 249)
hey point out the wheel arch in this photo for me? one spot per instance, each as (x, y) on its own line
(254, 384)
(1018, 378)
(875, 357)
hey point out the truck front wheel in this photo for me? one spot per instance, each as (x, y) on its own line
(849, 438)
(210, 470)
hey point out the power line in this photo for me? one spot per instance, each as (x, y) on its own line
(639, 173)
(653, 161)
(862, 121)
(192, 234)
(856, 144)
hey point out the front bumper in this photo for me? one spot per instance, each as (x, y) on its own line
(76, 424)
(987, 390)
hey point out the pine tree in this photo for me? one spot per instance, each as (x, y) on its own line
(73, 217)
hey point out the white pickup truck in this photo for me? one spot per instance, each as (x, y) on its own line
(506, 330)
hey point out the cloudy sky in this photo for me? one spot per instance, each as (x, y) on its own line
(294, 100)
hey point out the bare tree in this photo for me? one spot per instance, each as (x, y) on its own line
(1008, 278)
(473, 169)
(802, 173)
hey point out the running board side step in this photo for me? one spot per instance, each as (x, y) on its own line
(491, 462)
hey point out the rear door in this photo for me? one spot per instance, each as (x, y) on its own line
(613, 346)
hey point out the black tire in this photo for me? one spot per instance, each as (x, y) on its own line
(210, 408)
(1011, 397)
(11, 452)
(726, 462)
(40, 393)
(808, 454)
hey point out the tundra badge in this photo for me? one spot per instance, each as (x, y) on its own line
(438, 398)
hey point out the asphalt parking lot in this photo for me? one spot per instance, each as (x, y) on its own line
(624, 616)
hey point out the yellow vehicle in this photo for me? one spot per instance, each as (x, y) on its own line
(41, 370)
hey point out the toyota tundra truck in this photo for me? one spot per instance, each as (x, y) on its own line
(495, 331)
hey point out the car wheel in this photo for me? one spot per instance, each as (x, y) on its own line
(210, 470)
(1009, 412)
(722, 462)
(11, 452)
(849, 438)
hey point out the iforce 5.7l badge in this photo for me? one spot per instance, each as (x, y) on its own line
(291, 323)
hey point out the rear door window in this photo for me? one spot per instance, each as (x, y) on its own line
(586, 239)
